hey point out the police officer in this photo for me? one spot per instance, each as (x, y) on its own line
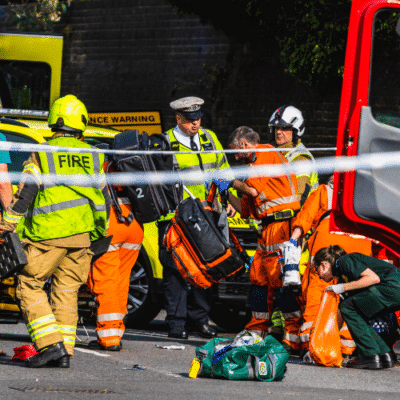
(183, 301)
(60, 222)
(287, 125)
(370, 287)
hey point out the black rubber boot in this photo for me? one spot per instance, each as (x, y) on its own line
(62, 362)
(51, 353)
(95, 345)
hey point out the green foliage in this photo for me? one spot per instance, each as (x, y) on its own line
(310, 34)
(38, 16)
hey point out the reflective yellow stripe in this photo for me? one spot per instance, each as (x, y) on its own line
(12, 218)
(69, 334)
(48, 330)
(32, 169)
(47, 319)
(67, 329)
(69, 340)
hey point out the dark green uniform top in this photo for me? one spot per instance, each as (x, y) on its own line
(350, 267)
(364, 304)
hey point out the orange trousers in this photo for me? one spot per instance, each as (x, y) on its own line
(109, 278)
(266, 284)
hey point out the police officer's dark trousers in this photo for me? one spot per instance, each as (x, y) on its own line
(182, 300)
(360, 308)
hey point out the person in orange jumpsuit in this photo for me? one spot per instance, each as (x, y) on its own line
(109, 276)
(274, 201)
(314, 216)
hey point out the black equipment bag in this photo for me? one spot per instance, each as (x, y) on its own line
(12, 255)
(149, 201)
(204, 249)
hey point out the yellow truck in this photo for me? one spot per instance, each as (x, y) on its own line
(30, 81)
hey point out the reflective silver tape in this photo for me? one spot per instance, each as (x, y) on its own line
(304, 337)
(291, 338)
(347, 343)
(110, 317)
(306, 325)
(131, 246)
(110, 332)
(260, 315)
(64, 206)
(295, 314)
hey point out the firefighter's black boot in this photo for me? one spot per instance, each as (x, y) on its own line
(62, 362)
(49, 353)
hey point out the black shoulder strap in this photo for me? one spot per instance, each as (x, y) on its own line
(323, 216)
(114, 197)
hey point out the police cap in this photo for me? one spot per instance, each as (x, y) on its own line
(189, 107)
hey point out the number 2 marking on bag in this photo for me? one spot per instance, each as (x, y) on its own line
(139, 192)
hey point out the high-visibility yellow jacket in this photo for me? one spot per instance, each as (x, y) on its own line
(192, 162)
(60, 210)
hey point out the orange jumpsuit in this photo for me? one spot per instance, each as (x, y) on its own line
(315, 208)
(109, 276)
(275, 194)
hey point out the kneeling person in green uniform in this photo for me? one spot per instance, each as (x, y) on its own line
(369, 287)
(57, 224)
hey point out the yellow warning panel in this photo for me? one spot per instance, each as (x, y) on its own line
(143, 121)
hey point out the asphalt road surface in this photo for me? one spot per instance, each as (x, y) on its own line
(144, 371)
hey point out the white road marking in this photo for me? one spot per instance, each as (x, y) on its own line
(91, 352)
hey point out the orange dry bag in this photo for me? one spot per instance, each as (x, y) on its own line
(325, 346)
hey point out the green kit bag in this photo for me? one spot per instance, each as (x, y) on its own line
(264, 360)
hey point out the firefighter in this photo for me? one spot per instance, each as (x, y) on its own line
(314, 217)
(287, 125)
(60, 222)
(274, 201)
(187, 306)
(370, 288)
(109, 276)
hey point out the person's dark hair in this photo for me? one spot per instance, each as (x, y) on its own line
(329, 254)
(243, 132)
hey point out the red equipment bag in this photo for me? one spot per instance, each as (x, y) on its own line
(201, 252)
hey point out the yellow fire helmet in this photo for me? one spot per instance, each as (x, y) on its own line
(68, 114)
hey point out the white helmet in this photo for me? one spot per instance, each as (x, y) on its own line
(288, 116)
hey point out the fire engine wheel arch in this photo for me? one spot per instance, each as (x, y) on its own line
(143, 302)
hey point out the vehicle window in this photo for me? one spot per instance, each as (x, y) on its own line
(25, 85)
(384, 93)
(17, 157)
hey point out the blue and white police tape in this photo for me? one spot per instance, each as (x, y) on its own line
(31, 147)
(326, 165)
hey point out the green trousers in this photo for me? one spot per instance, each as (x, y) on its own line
(360, 308)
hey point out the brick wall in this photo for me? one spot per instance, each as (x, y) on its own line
(122, 55)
